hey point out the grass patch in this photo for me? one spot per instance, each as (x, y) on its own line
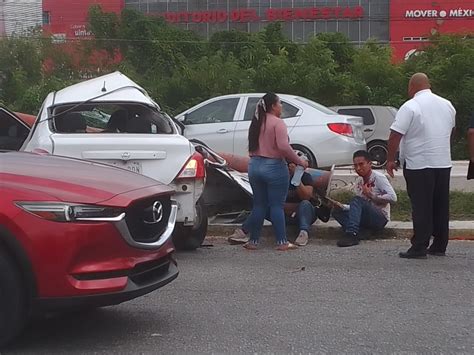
(461, 205)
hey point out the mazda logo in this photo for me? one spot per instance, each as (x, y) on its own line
(156, 213)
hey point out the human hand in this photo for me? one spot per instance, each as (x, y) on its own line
(304, 163)
(366, 190)
(390, 167)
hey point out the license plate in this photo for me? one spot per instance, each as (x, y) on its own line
(134, 166)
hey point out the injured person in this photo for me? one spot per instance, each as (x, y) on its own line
(301, 209)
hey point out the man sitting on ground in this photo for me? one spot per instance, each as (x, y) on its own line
(370, 208)
(298, 210)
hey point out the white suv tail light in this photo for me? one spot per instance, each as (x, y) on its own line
(194, 168)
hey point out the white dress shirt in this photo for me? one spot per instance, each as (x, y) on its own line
(426, 122)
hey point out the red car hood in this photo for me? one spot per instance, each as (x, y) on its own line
(75, 181)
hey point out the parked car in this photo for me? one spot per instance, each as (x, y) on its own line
(377, 122)
(76, 234)
(326, 137)
(112, 120)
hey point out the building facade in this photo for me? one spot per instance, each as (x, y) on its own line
(67, 19)
(404, 24)
(17, 17)
(412, 22)
(359, 20)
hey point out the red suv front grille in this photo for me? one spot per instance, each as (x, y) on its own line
(147, 219)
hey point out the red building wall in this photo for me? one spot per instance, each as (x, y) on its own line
(413, 21)
(68, 18)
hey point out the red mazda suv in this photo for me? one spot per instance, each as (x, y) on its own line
(76, 234)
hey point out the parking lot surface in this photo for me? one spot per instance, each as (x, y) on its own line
(318, 299)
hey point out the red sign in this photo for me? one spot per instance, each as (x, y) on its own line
(68, 19)
(412, 22)
(272, 14)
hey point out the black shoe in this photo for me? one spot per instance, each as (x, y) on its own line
(436, 252)
(412, 254)
(323, 213)
(348, 240)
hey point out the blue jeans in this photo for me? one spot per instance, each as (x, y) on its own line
(361, 214)
(269, 180)
(304, 218)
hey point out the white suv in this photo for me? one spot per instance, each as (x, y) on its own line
(112, 120)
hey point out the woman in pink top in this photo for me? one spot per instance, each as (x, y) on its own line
(269, 150)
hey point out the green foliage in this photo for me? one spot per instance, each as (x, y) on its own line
(20, 64)
(180, 69)
(105, 27)
(449, 62)
(377, 79)
(342, 50)
(210, 76)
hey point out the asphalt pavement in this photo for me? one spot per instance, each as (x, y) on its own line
(319, 299)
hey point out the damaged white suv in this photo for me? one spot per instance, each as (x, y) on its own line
(112, 120)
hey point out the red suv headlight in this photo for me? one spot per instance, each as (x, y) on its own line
(63, 212)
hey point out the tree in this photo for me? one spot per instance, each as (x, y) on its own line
(449, 63)
(180, 69)
(377, 81)
(342, 50)
(20, 67)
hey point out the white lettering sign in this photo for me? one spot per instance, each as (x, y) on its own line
(461, 13)
(421, 13)
(429, 13)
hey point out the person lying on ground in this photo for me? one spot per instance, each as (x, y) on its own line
(299, 210)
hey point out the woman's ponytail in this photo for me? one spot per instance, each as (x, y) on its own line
(259, 119)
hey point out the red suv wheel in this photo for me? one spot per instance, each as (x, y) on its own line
(12, 300)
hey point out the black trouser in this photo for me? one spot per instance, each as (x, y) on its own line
(428, 190)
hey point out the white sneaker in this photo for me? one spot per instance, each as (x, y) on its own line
(302, 239)
(238, 237)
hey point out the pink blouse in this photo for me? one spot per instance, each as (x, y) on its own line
(273, 141)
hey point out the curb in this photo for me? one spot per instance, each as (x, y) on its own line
(459, 230)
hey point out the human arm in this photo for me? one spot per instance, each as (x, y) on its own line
(304, 192)
(290, 208)
(393, 144)
(382, 191)
(398, 129)
(284, 147)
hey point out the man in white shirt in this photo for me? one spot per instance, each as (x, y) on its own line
(422, 128)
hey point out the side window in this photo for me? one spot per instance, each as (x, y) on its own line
(214, 112)
(365, 113)
(250, 109)
(71, 122)
(12, 132)
(287, 110)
